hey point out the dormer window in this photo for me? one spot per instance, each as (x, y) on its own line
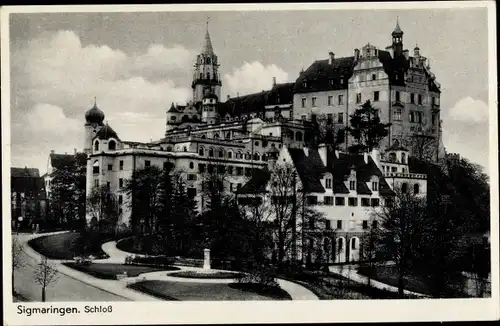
(352, 185)
(96, 145)
(112, 145)
(304, 84)
(374, 186)
(328, 184)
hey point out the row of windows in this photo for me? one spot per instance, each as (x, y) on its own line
(230, 170)
(352, 224)
(329, 117)
(340, 100)
(229, 154)
(340, 201)
(111, 145)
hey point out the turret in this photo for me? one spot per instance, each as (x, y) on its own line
(94, 118)
(209, 112)
(397, 40)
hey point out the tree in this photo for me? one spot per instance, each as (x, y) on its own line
(102, 206)
(327, 131)
(368, 248)
(366, 128)
(45, 275)
(17, 259)
(67, 194)
(422, 143)
(401, 231)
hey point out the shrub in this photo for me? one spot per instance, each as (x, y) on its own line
(155, 261)
(263, 276)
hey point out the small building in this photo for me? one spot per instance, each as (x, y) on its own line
(28, 197)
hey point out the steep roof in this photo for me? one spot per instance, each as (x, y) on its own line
(207, 45)
(60, 160)
(256, 102)
(322, 76)
(257, 184)
(24, 172)
(106, 132)
(309, 167)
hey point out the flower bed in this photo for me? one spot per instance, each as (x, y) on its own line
(110, 271)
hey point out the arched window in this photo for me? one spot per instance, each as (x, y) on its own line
(191, 165)
(340, 244)
(264, 157)
(256, 157)
(96, 145)
(195, 117)
(298, 136)
(112, 145)
(185, 149)
(169, 148)
(416, 188)
(95, 167)
(211, 152)
(229, 154)
(392, 157)
(201, 151)
(248, 156)
(239, 155)
(354, 243)
(208, 74)
(216, 136)
(208, 60)
(403, 158)
(203, 137)
(221, 152)
(228, 135)
(404, 188)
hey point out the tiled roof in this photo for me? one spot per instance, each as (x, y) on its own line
(310, 169)
(321, 75)
(173, 109)
(106, 132)
(60, 160)
(257, 184)
(24, 172)
(256, 102)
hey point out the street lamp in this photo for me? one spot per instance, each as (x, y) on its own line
(19, 220)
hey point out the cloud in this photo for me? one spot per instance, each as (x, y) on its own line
(469, 109)
(253, 77)
(55, 79)
(466, 131)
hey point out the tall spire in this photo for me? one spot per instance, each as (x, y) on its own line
(397, 30)
(207, 46)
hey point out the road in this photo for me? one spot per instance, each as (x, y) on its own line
(65, 289)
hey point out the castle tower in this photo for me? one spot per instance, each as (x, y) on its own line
(206, 77)
(397, 40)
(93, 123)
(209, 112)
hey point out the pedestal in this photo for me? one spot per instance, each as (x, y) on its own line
(206, 260)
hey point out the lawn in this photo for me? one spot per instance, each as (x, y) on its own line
(414, 283)
(109, 271)
(188, 291)
(65, 246)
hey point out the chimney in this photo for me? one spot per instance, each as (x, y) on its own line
(274, 81)
(331, 57)
(356, 54)
(52, 151)
(376, 157)
(322, 150)
(406, 53)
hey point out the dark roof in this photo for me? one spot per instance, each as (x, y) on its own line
(106, 132)
(24, 172)
(94, 115)
(173, 109)
(60, 160)
(28, 181)
(322, 76)
(257, 184)
(256, 102)
(310, 169)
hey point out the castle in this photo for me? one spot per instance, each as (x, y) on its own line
(243, 135)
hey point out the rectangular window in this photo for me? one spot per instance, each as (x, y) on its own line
(313, 101)
(328, 200)
(389, 202)
(339, 224)
(328, 224)
(147, 163)
(191, 192)
(374, 185)
(313, 117)
(339, 201)
(341, 99)
(230, 170)
(394, 169)
(352, 225)
(108, 184)
(121, 165)
(120, 199)
(352, 185)
(330, 100)
(419, 98)
(120, 183)
(210, 168)
(412, 116)
(191, 177)
(165, 165)
(353, 201)
(239, 170)
(96, 183)
(329, 117)
(375, 224)
(304, 117)
(375, 96)
(248, 172)
(201, 168)
(120, 211)
(375, 202)
(433, 100)
(365, 202)
(221, 169)
(433, 119)
(398, 96)
(374, 77)
(312, 200)
(412, 98)
(419, 117)
(328, 183)
(95, 169)
(358, 98)
(365, 225)
(340, 118)
(304, 102)
(397, 114)
(110, 167)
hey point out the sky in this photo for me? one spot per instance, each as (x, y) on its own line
(137, 64)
